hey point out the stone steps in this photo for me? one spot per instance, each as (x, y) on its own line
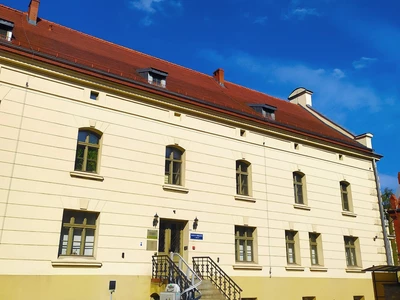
(209, 291)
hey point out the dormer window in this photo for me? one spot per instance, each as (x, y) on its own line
(266, 110)
(154, 76)
(6, 28)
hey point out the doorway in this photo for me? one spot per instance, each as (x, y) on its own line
(171, 237)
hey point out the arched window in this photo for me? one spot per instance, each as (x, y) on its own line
(87, 151)
(345, 193)
(242, 177)
(299, 188)
(173, 165)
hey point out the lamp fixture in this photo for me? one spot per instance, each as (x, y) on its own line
(155, 220)
(195, 223)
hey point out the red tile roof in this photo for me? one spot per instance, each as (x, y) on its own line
(75, 50)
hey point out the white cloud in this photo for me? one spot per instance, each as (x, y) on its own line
(330, 90)
(301, 13)
(145, 5)
(146, 21)
(260, 20)
(151, 7)
(338, 73)
(363, 62)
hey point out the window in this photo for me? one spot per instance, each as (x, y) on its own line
(244, 243)
(358, 298)
(291, 246)
(309, 298)
(351, 249)
(298, 184)
(242, 177)
(94, 95)
(78, 233)
(87, 151)
(173, 165)
(346, 196)
(315, 244)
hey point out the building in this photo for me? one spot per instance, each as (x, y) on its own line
(109, 156)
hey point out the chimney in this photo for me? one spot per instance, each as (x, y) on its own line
(219, 76)
(33, 10)
(365, 139)
(301, 96)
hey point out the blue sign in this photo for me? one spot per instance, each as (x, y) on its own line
(196, 236)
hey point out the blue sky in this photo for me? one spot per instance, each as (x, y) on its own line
(346, 52)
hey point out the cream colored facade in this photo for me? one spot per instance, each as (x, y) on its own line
(41, 112)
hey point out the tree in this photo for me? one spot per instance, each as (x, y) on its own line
(386, 205)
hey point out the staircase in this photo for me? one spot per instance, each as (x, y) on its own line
(174, 269)
(209, 270)
(209, 291)
(206, 280)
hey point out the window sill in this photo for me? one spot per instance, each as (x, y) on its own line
(245, 198)
(354, 270)
(348, 214)
(175, 188)
(294, 268)
(248, 267)
(76, 262)
(86, 175)
(301, 206)
(318, 269)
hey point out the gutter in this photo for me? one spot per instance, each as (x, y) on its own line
(382, 215)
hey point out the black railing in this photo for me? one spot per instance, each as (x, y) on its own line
(165, 269)
(206, 268)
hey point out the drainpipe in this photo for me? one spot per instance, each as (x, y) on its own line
(382, 215)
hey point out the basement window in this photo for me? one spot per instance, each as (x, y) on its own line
(6, 28)
(266, 110)
(154, 76)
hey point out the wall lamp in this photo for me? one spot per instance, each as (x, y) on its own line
(155, 220)
(195, 223)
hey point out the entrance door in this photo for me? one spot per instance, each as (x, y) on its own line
(171, 237)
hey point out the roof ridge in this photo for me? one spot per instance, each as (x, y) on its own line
(13, 9)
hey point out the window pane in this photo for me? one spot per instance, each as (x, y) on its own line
(82, 135)
(93, 138)
(76, 241)
(80, 150)
(314, 255)
(91, 218)
(345, 200)
(249, 251)
(290, 253)
(177, 154)
(64, 241)
(298, 189)
(168, 152)
(241, 250)
(89, 242)
(238, 191)
(244, 186)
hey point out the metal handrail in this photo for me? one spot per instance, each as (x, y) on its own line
(164, 267)
(207, 268)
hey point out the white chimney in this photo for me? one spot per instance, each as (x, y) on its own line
(301, 96)
(365, 139)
